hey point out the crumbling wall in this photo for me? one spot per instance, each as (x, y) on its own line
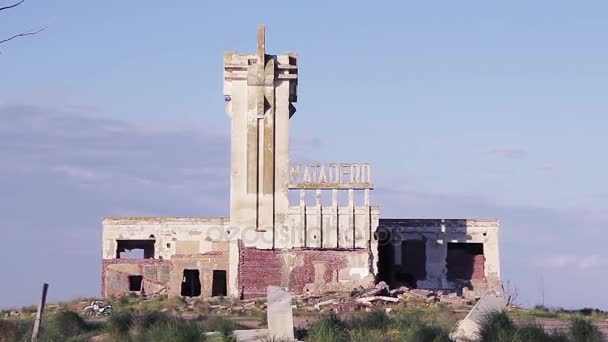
(205, 263)
(302, 270)
(195, 235)
(115, 273)
(482, 271)
(164, 276)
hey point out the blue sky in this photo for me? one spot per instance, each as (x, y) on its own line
(464, 109)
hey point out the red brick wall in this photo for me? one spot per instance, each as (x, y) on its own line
(260, 268)
(465, 266)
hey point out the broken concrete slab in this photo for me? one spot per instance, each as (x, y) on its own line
(375, 298)
(280, 314)
(468, 328)
(398, 291)
(419, 293)
(326, 302)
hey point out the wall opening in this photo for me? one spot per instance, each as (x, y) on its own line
(135, 249)
(465, 261)
(191, 283)
(385, 257)
(413, 263)
(135, 282)
(219, 286)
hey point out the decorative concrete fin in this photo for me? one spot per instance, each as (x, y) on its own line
(261, 44)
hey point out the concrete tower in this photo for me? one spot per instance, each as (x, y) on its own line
(259, 90)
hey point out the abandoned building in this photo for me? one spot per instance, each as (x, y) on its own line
(310, 245)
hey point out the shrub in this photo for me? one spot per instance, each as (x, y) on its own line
(364, 335)
(174, 330)
(328, 329)
(29, 309)
(161, 327)
(375, 320)
(497, 327)
(63, 326)
(531, 332)
(430, 333)
(118, 326)
(15, 330)
(582, 330)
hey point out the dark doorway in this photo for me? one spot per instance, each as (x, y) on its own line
(191, 284)
(465, 261)
(385, 257)
(135, 282)
(413, 262)
(219, 287)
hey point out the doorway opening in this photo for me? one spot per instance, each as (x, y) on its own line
(413, 262)
(135, 282)
(385, 257)
(465, 260)
(191, 283)
(219, 286)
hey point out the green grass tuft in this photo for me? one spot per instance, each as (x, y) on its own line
(582, 330)
(328, 329)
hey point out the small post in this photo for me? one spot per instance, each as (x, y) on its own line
(38, 321)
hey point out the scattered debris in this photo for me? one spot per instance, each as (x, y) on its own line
(375, 298)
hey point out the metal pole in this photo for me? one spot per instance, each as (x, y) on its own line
(38, 321)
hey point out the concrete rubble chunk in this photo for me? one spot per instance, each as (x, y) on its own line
(419, 293)
(280, 314)
(468, 328)
(398, 291)
(379, 290)
(375, 298)
(326, 302)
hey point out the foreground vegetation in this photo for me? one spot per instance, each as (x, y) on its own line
(120, 327)
(499, 327)
(378, 326)
(417, 326)
(175, 320)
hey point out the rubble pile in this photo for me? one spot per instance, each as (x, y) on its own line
(381, 295)
(357, 299)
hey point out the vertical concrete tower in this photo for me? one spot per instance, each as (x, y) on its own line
(259, 90)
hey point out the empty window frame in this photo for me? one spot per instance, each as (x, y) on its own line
(135, 249)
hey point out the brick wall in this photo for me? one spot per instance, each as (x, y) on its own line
(294, 268)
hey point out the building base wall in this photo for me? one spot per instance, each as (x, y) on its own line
(164, 276)
(303, 270)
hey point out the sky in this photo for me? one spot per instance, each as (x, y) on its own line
(463, 108)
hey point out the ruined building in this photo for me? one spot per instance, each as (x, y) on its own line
(267, 240)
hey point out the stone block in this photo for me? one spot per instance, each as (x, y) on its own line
(280, 314)
(468, 328)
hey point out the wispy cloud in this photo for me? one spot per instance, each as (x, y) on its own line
(581, 262)
(547, 168)
(506, 152)
(62, 170)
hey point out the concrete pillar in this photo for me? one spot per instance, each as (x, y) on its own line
(259, 90)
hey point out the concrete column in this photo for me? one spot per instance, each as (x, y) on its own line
(259, 90)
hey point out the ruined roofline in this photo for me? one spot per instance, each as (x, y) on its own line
(159, 219)
(436, 222)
